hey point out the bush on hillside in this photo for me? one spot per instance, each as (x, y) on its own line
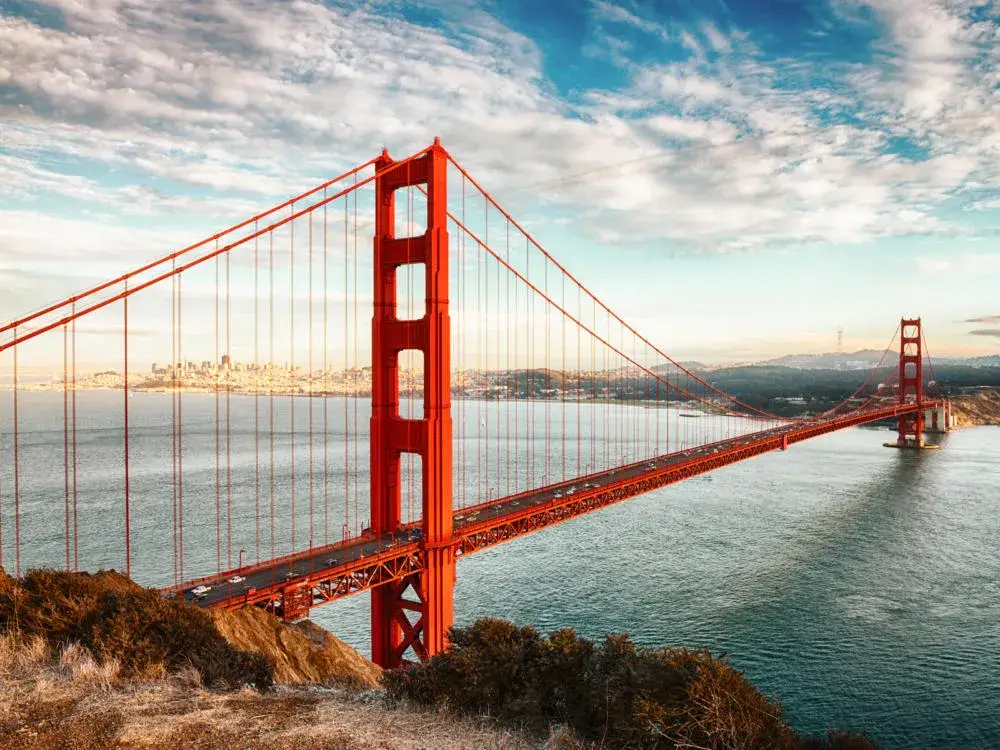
(117, 619)
(617, 693)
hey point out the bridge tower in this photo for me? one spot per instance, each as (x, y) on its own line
(428, 595)
(911, 384)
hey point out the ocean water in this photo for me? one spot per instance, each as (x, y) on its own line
(858, 585)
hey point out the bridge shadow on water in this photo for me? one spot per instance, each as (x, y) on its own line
(832, 618)
(837, 542)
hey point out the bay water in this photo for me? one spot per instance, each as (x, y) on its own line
(858, 585)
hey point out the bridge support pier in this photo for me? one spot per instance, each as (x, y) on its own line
(414, 613)
(939, 419)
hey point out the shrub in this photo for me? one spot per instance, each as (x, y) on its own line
(617, 693)
(117, 619)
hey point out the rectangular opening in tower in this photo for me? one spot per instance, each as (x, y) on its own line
(411, 291)
(410, 212)
(411, 487)
(411, 384)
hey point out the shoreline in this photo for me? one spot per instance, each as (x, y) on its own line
(972, 410)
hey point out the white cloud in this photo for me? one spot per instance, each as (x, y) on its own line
(616, 12)
(251, 101)
(719, 41)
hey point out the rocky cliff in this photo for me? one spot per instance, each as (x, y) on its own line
(982, 408)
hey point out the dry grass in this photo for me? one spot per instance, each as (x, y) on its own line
(119, 621)
(67, 700)
(97, 662)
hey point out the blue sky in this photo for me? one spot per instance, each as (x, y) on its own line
(737, 179)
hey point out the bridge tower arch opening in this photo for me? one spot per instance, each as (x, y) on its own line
(911, 384)
(414, 613)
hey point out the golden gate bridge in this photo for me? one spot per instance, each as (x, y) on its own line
(455, 387)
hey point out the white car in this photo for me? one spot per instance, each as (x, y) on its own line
(201, 590)
(237, 579)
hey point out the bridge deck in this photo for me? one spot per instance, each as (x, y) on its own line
(338, 570)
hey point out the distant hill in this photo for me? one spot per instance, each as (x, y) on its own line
(865, 359)
(987, 360)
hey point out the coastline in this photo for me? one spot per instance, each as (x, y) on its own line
(981, 409)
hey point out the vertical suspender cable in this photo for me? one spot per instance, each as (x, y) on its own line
(309, 381)
(326, 383)
(218, 446)
(180, 431)
(517, 380)
(291, 368)
(347, 359)
(486, 341)
(548, 378)
(65, 443)
(76, 536)
(229, 431)
(481, 367)
(270, 367)
(17, 469)
(562, 302)
(357, 362)
(499, 376)
(128, 524)
(173, 415)
(508, 402)
(529, 311)
(256, 395)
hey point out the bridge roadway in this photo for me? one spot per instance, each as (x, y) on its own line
(337, 570)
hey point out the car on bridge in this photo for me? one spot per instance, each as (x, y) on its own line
(237, 579)
(200, 591)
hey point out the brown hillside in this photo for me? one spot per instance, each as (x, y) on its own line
(982, 408)
(63, 698)
(302, 653)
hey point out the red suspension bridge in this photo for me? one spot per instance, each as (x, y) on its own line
(362, 415)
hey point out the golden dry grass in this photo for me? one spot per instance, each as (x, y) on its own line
(301, 654)
(67, 700)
